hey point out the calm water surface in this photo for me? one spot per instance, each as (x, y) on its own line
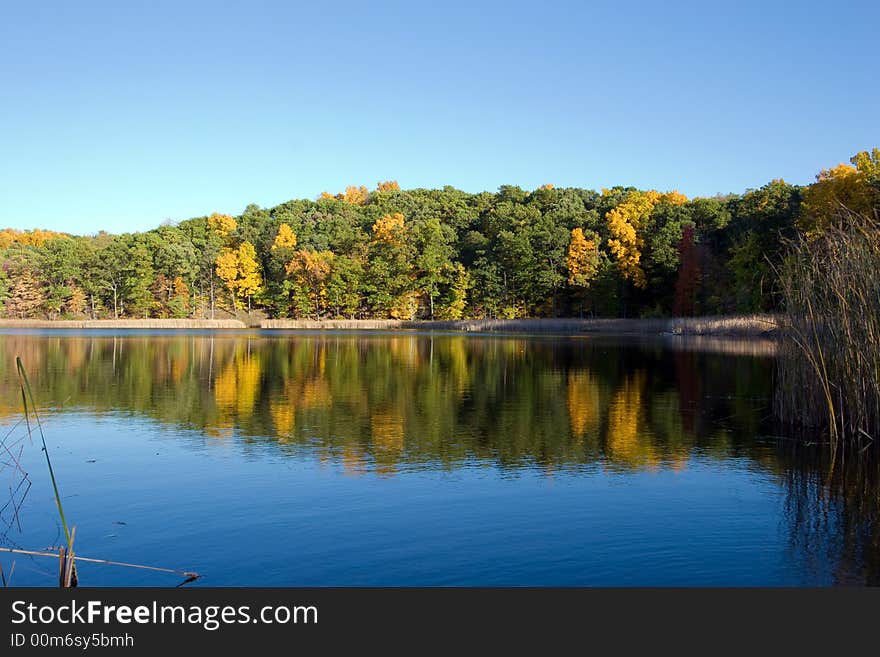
(423, 459)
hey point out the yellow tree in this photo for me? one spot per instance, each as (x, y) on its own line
(285, 239)
(222, 224)
(583, 259)
(387, 186)
(389, 228)
(868, 164)
(308, 271)
(356, 195)
(840, 187)
(674, 197)
(626, 224)
(7, 237)
(76, 303)
(226, 267)
(239, 270)
(35, 237)
(249, 279)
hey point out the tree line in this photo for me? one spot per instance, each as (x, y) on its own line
(441, 254)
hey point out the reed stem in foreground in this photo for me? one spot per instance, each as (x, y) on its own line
(829, 359)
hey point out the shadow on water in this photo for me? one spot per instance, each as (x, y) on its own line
(832, 513)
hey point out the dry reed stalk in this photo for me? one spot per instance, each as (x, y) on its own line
(67, 577)
(828, 374)
(188, 575)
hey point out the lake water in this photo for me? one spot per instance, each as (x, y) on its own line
(297, 459)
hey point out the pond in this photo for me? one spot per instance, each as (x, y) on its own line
(409, 458)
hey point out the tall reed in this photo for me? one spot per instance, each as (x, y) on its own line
(67, 566)
(67, 559)
(829, 359)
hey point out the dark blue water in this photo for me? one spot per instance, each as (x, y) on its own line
(419, 460)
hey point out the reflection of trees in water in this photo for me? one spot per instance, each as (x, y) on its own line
(629, 438)
(583, 396)
(378, 402)
(833, 513)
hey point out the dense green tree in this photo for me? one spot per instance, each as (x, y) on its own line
(62, 263)
(139, 276)
(344, 284)
(432, 243)
(441, 253)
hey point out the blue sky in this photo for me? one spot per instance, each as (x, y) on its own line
(120, 115)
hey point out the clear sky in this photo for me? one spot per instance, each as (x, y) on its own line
(119, 115)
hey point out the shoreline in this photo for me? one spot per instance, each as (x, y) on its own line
(170, 324)
(763, 326)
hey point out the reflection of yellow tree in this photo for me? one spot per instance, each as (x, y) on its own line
(583, 403)
(179, 365)
(315, 393)
(387, 431)
(224, 389)
(75, 354)
(248, 378)
(404, 349)
(283, 418)
(629, 439)
(386, 428)
(322, 360)
(668, 422)
(303, 393)
(354, 461)
(458, 363)
(236, 387)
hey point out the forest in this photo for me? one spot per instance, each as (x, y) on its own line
(442, 254)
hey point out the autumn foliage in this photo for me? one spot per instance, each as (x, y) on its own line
(389, 228)
(387, 186)
(285, 239)
(688, 281)
(627, 223)
(240, 271)
(583, 259)
(845, 188)
(444, 254)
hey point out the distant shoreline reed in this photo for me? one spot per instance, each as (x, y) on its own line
(735, 326)
(739, 326)
(123, 323)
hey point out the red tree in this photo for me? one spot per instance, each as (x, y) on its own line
(688, 274)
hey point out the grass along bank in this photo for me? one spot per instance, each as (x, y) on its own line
(829, 369)
(124, 323)
(764, 326)
(736, 326)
